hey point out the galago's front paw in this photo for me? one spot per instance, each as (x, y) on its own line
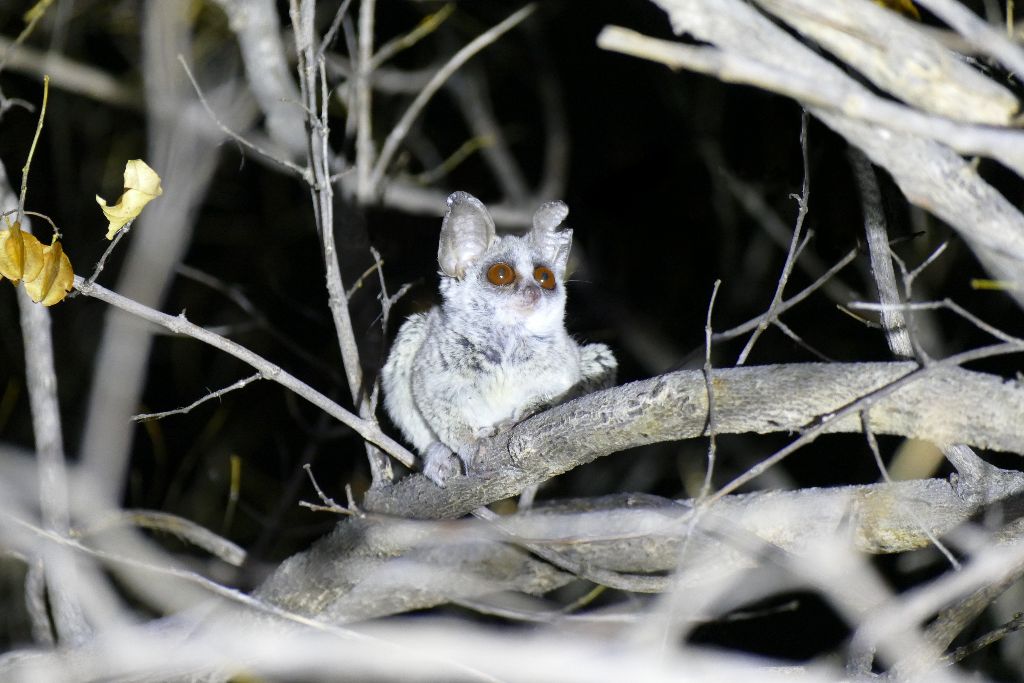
(439, 463)
(598, 367)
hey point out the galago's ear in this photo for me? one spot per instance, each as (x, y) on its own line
(553, 244)
(466, 233)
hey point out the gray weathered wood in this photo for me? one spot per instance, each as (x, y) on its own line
(344, 576)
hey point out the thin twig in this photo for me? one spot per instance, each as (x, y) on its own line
(401, 129)
(788, 331)
(555, 616)
(180, 325)
(788, 303)
(32, 148)
(705, 489)
(893, 322)
(671, 612)
(182, 528)
(36, 13)
(428, 25)
(102, 263)
(630, 582)
(913, 275)
(376, 266)
(865, 422)
(386, 303)
(752, 200)
(947, 304)
(313, 86)
(37, 215)
(465, 150)
(794, 245)
(990, 638)
(329, 504)
(145, 417)
(332, 32)
(303, 173)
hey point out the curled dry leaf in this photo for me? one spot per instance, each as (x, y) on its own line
(46, 271)
(21, 254)
(55, 279)
(141, 186)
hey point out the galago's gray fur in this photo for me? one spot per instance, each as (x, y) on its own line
(496, 349)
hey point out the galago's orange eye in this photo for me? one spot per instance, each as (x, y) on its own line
(501, 274)
(544, 277)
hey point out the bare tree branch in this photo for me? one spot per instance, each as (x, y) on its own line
(897, 56)
(179, 146)
(41, 377)
(751, 49)
(245, 381)
(893, 319)
(945, 405)
(795, 245)
(761, 399)
(313, 85)
(344, 577)
(179, 325)
(258, 29)
(401, 128)
(69, 75)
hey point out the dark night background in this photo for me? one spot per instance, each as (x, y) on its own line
(655, 225)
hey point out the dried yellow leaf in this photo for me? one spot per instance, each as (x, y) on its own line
(21, 254)
(54, 281)
(141, 186)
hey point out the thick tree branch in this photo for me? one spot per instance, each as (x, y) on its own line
(374, 566)
(41, 378)
(944, 404)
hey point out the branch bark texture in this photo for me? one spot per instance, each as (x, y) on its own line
(945, 405)
(642, 534)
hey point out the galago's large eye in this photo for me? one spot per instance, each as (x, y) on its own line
(544, 277)
(501, 274)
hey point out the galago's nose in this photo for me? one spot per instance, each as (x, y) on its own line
(530, 294)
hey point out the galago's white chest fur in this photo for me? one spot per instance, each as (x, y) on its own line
(529, 373)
